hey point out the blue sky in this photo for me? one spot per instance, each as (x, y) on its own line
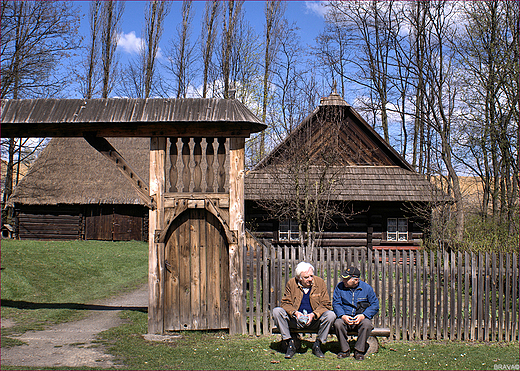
(308, 16)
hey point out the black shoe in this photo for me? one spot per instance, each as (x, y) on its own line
(291, 349)
(316, 349)
(359, 356)
(344, 354)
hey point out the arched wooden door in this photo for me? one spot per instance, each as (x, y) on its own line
(196, 293)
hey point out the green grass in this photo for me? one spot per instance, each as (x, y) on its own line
(44, 283)
(204, 350)
(48, 282)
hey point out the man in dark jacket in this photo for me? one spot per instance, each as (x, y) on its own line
(305, 305)
(355, 303)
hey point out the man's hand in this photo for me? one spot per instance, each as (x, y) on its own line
(348, 319)
(311, 317)
(357, 319)
(353, 320)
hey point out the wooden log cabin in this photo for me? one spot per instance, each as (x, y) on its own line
(386, 203)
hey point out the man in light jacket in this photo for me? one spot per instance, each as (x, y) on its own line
(354, 303)
(305, 305)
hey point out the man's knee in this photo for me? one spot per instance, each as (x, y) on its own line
(279, 312)
(366, 324)
(328, 317)
(339, 322)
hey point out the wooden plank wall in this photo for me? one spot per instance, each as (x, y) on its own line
(423, 295)
(54, 226)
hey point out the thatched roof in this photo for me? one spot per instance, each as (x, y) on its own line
(70, 171)
(352, 183)
(126, 117)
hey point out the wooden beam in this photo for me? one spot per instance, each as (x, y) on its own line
(106, 149)
(237, 323)
(156, 263)
(128, 129)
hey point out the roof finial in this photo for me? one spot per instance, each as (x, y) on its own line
(334, 91)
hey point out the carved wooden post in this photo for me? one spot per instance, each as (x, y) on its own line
(236, 223)
(155, 249)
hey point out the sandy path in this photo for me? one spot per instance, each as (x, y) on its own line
(70, 344)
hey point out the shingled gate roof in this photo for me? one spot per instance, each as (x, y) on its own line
(127, 117)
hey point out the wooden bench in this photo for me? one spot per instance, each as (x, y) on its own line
(372, 341)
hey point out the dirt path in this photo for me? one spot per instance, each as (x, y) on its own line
(70, 344)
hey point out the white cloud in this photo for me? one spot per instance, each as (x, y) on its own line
(129, 42)
(316, 7)
(133, 44)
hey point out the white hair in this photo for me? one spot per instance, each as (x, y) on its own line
(303, 267)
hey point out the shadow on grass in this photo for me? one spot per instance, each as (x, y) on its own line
(306, 346)
(76, 306)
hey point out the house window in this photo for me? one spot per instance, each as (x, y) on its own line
(288, 230)
(397, 229)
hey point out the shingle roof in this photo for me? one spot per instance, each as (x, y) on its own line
(352, 183)
(127, 117)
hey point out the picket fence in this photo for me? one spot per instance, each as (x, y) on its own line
(422, 294)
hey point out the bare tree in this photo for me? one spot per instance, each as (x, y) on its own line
(139, 77)
(154, 26)
(209, 32)
(371, 25)
(440, 94)
(489, 50)
(231, 19)
(181, 53)
(111, 26)
(35, 36)
(333, 51)
(274, 11)
(88, 84)
(305, 179)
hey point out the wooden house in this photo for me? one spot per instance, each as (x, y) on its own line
(73, 192)
(387, 200)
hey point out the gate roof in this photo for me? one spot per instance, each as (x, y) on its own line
(126, 117)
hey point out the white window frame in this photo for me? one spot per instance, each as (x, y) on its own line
(397, 229)
(288, 230)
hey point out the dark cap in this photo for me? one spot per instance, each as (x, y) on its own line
(351, 272)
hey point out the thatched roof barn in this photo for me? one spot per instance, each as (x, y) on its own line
(73, 192)
(70, 172)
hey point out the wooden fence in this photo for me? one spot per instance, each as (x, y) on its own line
(423, 294)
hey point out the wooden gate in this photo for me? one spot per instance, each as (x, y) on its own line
(197, 273)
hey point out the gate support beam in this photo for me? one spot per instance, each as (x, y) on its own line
(236, 223)
(155, 247)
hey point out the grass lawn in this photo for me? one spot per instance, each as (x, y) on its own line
(220, 351)
(44, 282)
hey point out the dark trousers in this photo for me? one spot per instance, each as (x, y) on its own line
(363, 329)
(285, 324)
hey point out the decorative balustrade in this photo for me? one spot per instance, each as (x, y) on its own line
(198, 165)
